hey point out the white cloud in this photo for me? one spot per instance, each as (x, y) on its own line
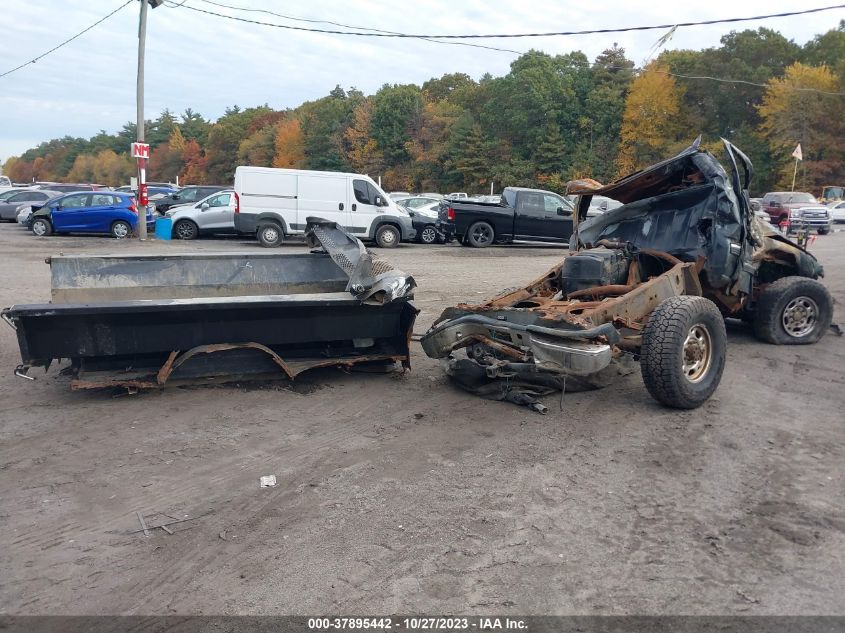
(207, 63)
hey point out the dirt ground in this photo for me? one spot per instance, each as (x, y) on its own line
(401, 494)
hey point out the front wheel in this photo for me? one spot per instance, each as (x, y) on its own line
(683, 351)
(42, 227)
(793, 311)
(270, 235)
(120, 229)
(480, 235)
(388, 236)
(428, 235)
(824, 231)
(185, 230)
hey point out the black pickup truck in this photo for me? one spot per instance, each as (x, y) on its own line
(522, 214)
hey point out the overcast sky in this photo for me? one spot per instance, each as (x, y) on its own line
(207, 63)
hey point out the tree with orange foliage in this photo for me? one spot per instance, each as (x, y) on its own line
(651, 124)
(814, 119)
(194, 172)
(289, 144)
(362, 150)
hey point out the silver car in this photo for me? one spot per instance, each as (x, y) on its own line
(212, 214)
(11, 202)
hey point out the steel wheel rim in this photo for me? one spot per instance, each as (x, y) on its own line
(120, 231)
(270, 234)
(184, 230)
(698, 353)
(800, 317)
(428, 235)
(388, 237)
(481, 234)
(39, 228)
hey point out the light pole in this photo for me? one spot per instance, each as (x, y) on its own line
(143, 200)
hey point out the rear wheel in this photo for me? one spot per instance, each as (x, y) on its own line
(428, 234)
(186, 230)
(42, 227)
(480, 235)
(121, 229)
(388, 236)
(683, 351)
(793, 311)
(270, 235)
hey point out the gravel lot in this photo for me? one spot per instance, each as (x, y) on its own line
(402, 494)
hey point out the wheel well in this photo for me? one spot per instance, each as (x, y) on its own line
(271, 219)
(387, 223)
(196, 226)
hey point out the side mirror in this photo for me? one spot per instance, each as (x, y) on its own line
(175, 196)
(563, 211)
(379, 201)
(205, 206)
(410, 212)
(603, 206)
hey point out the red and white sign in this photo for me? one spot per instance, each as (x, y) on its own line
(140, 150)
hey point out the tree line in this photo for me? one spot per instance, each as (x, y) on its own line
(550, 119)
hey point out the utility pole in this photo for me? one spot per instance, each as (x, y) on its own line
(143, 201)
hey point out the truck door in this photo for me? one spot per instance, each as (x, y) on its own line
(539, 217)
(322, 197)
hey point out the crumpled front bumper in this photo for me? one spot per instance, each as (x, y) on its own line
(561, 351)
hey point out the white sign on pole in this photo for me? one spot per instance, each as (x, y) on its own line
(797, 155)
(140, 150)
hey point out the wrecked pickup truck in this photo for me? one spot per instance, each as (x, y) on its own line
(150, 320)
(651, 280)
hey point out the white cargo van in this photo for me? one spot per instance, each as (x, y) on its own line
(274, 203)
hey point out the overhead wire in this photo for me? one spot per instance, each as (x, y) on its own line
(174, 5)
(67, 41)
(626, 29)
(438, 39)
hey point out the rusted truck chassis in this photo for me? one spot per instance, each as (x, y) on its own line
(651, 281)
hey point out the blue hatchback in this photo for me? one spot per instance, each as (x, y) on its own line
(110, 212)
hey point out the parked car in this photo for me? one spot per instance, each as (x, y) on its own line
(522, 214)
(187, 195)
(71, 187)
(837, 212)
(9, 207)
(431, 194)
(112, 212)
(395, 195)
(272, 204)
(412, 202)
(214, 214)
(456, 195)
(5, 182)
(601, 204)
(424, 219)
(832, 193)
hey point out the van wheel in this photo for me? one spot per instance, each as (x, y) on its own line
(793, 311)
(270, 235)
(480, 235)
(42, 227)
(388, 236)
(120, 229)
(683, 351)
(185, 230)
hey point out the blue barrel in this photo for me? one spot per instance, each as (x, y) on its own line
(164, 228)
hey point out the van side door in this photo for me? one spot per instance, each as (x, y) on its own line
(323, 197)
(364, 207)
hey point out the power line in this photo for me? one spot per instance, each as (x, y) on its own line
(67, 41)
(627, 29)
(173, 5)
(738, 81)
